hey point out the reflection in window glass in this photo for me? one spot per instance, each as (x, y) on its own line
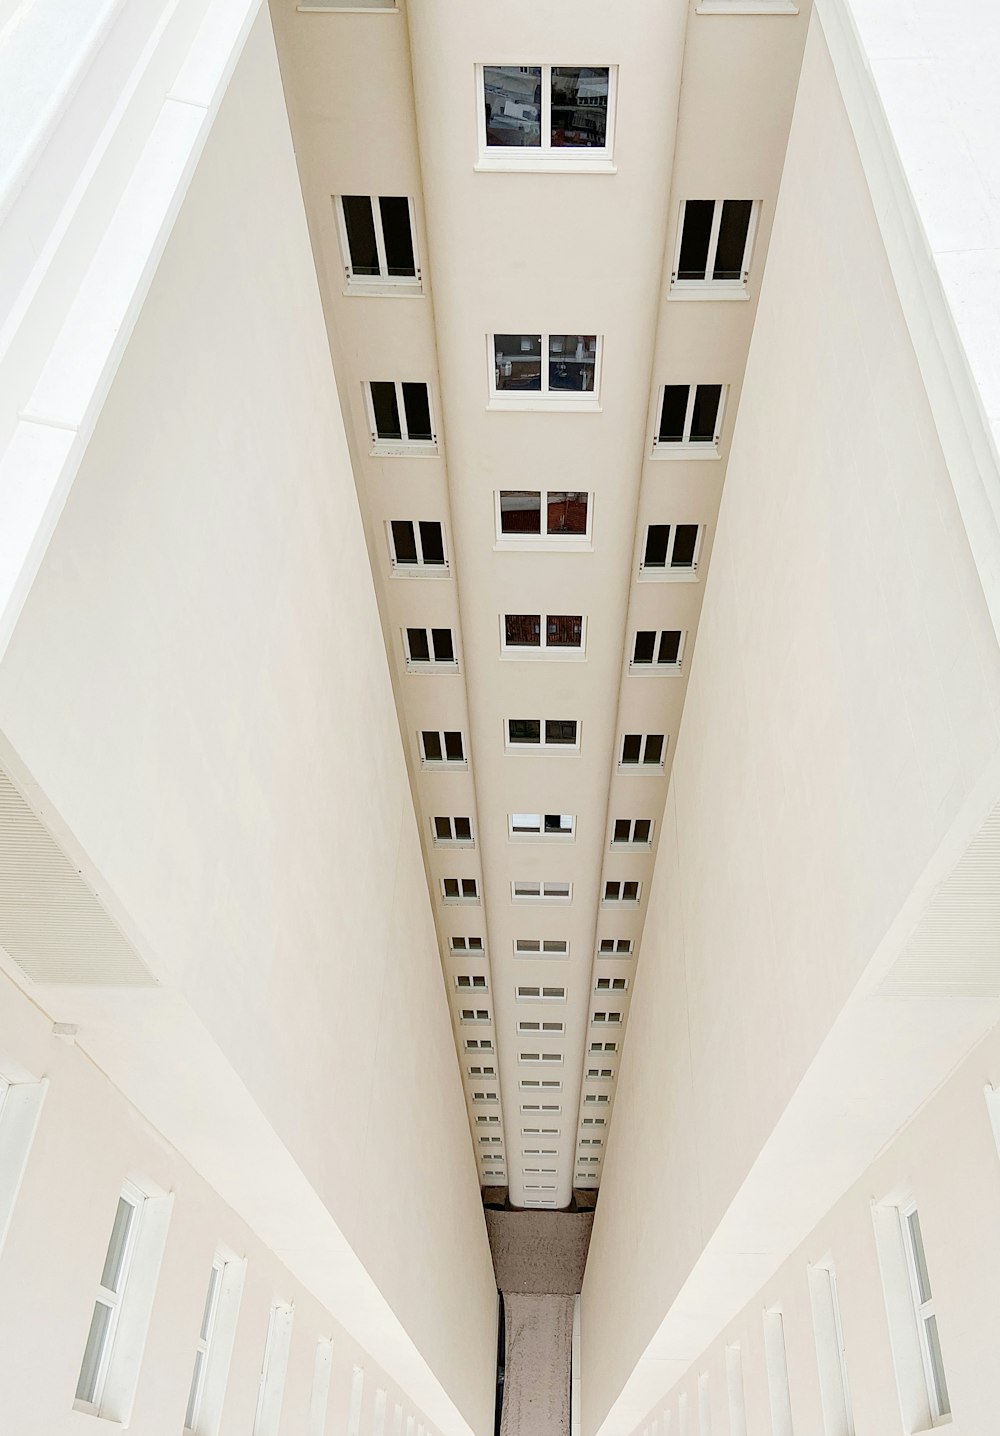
(523, 630)
(360, 227)
(579, 106)
(558, 730)
(518, 361)
(520, 511)
(572, 361)
(524, 730)
(564, 630)
(566, 513)
(513, 99)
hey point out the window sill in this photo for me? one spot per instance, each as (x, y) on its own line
(649, 770)
(542, 655)
(655, 670)
(745, 7)
(543, 545)
(427, 669)
(541, 165)
(429, 765)
(632, 847)
(382, 289)
(462, 902)
(388, 450)
(706, 289)
(456, 843)
(545, 406)
(347, 9)
(541, 838)
(533, 750)
(696, 452)
(646, 575)
(418, 570)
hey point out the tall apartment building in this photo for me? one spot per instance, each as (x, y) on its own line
(499, 704)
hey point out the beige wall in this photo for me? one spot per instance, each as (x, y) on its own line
(840, 728)
(197, 694)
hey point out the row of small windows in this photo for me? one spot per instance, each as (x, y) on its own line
(617, 892)
(620, 947)
(667, 550)
(458, 831)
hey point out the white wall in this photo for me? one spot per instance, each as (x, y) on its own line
(839, 739)
(196, 696)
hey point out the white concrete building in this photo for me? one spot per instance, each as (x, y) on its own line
(499, 700)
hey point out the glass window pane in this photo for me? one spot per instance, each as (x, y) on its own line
(513, 100)
(453, 748)
(386, 409)
(673, 413)
(360, 228)
(416, 639)
(469, 890)
(645, 643)
(114, 1261)
(524, 822)
(404, 541)
(558, 823)
(564, 630)
(442, 828)
(451, 887)
(697, 231)
(432, 542)
(523, 630)
(559, 730)
(685, 544)
(444, 649)
(524, 730)
(705, 414)
(397, 236)
(210, 1295)
(732, 239)
(611, 891)
(640, 833)
(194, 1397)
(632, 748)
(417, 406)
(654, 747)
(622, 827)
(937, 1366)
(463, 830)
(579, 106)
(517, 361)
(630, 891)
(572, 361)
(432, 747)
(657, 539)
(919, 1259)
(100, 1322)
(566, 513)
(670, 646)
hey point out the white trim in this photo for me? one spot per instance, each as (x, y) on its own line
(545, 157)
(511, 746)
(539, 835)
(653, 668)
(387, 448)
(420, 666)
(688, 448)
(382, 283)
(451, 842)
(709, 288)
(745, 7)
(666, 572)
(420, 569)
(539, 953)
(533, 653)
(20, 1108)
(274, 1369)
(545, 399)
(652, 769)
(562, 892)
(631, 842)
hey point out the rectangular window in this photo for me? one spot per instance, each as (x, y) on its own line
(541, 825)
(912, 1318)
(203, 1347)
(273, 1370)
(454, 831)
(357, 1398)
(488, 1121)
(831, 1360)
(541, 635)
(614, 947)
(543, 518)
(777, 1374)
(551, 369)
(704, 1406)
(480, 1069)
(735, 1391)
(470, 980)
(597, 1099)
(399, 416)
(377, 242)
(528, 993)
(632, 833)
(556, 1028)
(611, 984)
(714, 246)
(319, 1395)
(20, 1108)
(541, 947)
(417, 547)
(556, 733)
(485, 1097)
(600, 1074)
(535, 1058)
(534, 891)
(429, 648)
(108, 1306)
(622, 892)
(642, 750)
(689, 421)
(601, 1019)
(535, 1084)
(545, 115)
(539, 1131)
(441, 749)
(460, 946)
(591, 1141)
(657, 652)
(596, 1047)
(478, 1044)
(670, 551)
(475, 1014)
(460, 890)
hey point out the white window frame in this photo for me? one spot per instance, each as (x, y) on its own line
(390, 448)
(557, 653)
(452, 842)
(603, 1047)
(383, 283)
(274, 1369)
(544, 542)
(631, 842)
(597, 1099)
(418, 569)
(654, 669)
(114, 1300)
(483, 1044)
(212, 1376)
(620, 902)
(466, 951)
(547, 949)
(542, 1029)
(546, 156)
(746, 7)
(481, 1071)
(432, 665)
(521, 891)
(606, 1017)
(539, 835)
(539, 992)
(541, 1131)
(776, 1363)
(666, 574)
(21, 1099)
(831, 1355)
(479, 1097)
(545, 400)
(611, 983)
(471, 982)
(540, 1059)
(599, 1074)
(453, 764)
(462, 899)
(735, 1391)
(319, 1391)
(642, 766)
(714, 288)
(923, 1312)
(511, 746)
(686, 448)
(203, 1344)
(620, 956)
(540, 1084)
(474, 1017)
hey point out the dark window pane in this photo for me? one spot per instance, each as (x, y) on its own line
(454, 751)
(564, 630)
(432, 542)
(386, 409)
(630, 891)
(469, 890)
(572, 361)
(621, 830)
(451, 887)
(673, 413)
(520, 511)
(524, 730)
(657, 538)
(396, 233)
(554, 823)
(513, 99)
(697, 231)
(560, 730)
(624, 945)
(475, 944)
(645, 644)
(607, 944)
(705, 414)
(404, 541)
(442, 827)
(632, 748)
(517, 361)
(444, 648)
(611, 891)
(670, 646)
(463, 830)
(566, 513)
(360, 228)
(417, 405)
(579, 106)
(685, 543)
(640, 833)
(432, 747)
(416, 638)
(732, 239)
(523, 630)
(654, 747)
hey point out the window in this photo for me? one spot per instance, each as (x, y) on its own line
(357, 1397)
(429, 648)
(477, 1069)
(604, 1047)
(735, 1391)
(689, 421)
(594, 1121)
(214, 1347)
(456, 831)
(546, 113)
(399, 416)
(605, 1018)
(558, 733)
(460, 889)
(611, 984)
(541, 994)
(831, 1360)
(539, 1131)
(597, 1099)
(20, 1108)
(485, 1097)
(538, 635)
(539, 1152)
(704, 1406)
(622, 892)
(478, 1044)
(490, 1121)
(541, 947)
(494, 1173)
(561, 370)
(582, 1161)
(273, 1370)
(492, 1141)
(614, 947)
(319, 1395)
(204, 1344)
(713, 249)
(913, 1329)
(777, 1374)
(591, 1141)
(376, 240)
(475, 1014)
(107, 1307)
(600, 1074)
(642, 750)
(459, 946)
(531, 1058)
(632, 833)
(554, 1027)
(417, 545)
(442, 748)
(657, 652)
(670, 551)
(520, 522)
(469, 980)
(541, 825)
(530, 891)
(534, 1084)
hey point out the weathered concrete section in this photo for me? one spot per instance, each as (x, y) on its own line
(541, 1252)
